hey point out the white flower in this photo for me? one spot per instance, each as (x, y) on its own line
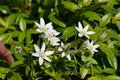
(42, 27)
(61, 47)
(51, 33)
(67, 54)
(64, 51)
(42, 54)
(83, 31)
(54, 41)
(18, 49)
(92, 47)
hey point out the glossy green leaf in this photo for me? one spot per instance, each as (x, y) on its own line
(109, 70)
(105, 20)
(95, 78)
(4, 70)
(69, 32)
(21, 37)
(3, 23)
(83, 72)
(22, 24)
(5, 37)
(56, 21)
(118, 24)
(87, 2)
(10, 19)
(15, 76)
(70, 5)
(16, 64)
(2, 76)
(92, 15)
(112, 77)
(93, 61)
(110, 55)
(113, 34)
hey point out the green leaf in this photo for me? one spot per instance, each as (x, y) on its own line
(95, 78)
(110, 55)
(3, 23)
(69, 32)
(2, 76)
(16, 64)
(15, 76)
(105, 20)
(2, 30)
(70, 5)
(5, 37)
(92, 15)
(118, 24)
(93, 61)
(56, 21)
(112, 77)
(113, 34)
(4, 70)
(87, 2)
(83, 72)
(109, 70)
(10, 19)
(22, 24)
(21, 37)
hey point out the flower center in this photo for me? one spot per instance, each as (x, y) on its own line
(41, 54)
(43, 28)
(91, 47)
(83, 32)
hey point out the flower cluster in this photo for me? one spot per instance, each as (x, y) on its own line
(48, 31)
(51, 34)
(84, 32)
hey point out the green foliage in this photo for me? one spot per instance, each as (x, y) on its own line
(18, 34)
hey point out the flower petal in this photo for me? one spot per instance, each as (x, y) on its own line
(86, 28)
(38, 30)
(90, 32)
(43, 47)
(38, 25)
(35, 54)
(80, 35)
(40, 60)
(47, 59)
(68, 57)
(80, 26)
(49, 25)
(47, 53)
(36, 48)
(42, 22)
(63, 54)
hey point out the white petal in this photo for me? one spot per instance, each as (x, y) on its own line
(35, 54)
(87, 36)
(43, 47)
(86, 28)
(47, 59)
(90, 32)
(77, 29)
(96, 46)
(68, 57)
(80, 35)
(60, 49)
(47, 53)
(49, 25)
(38, 25)
(36, 48)
(80, 26)
(38, 30)
(63, 54)
(42, 22)
(40, 60)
